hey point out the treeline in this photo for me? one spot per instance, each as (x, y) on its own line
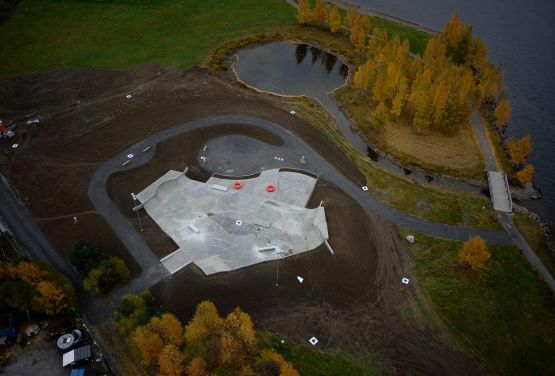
(33, 286)
(434, 92)
(209, 344)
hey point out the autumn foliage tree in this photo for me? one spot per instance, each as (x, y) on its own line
(334, 20)
(32, 285)
(30, 273)
(320, 12)
(304, 13)
(526, 174)
(149, 345)
(474, 253)
(502, 112)
(51, 298)
(519, 149)
(171, 361)
(209, 342)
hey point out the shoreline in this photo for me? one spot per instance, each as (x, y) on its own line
(344, 4)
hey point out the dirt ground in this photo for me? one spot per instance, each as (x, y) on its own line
(353, 300)
(86, 119)
(176, 153)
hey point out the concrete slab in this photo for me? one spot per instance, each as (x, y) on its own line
(499, 192)
(276, 220)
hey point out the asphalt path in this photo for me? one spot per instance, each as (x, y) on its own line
(245, 163)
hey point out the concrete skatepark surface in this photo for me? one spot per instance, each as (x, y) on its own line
(220, 228)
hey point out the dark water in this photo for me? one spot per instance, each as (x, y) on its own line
(520, 36)
(298, 69)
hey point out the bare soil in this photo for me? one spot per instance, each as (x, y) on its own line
(86, 119)
(352, 300)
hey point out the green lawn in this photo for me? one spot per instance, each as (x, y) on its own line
(417, 39)
(535, 237)
(503, 315)
(314, 362)
(116, 34)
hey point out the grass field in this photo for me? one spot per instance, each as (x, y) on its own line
(535, 237)
(503, 315)
(118, 34)
(437, 205)
(313, 362)
(47, 34)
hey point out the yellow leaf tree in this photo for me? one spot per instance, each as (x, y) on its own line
(30, 273)
(171, 361)
(519, 149)
(197, 367)
(474, 253)
(526, 174)
(334, 20)
(502, 113)
(51, 297)
(357, 36)
(149, 345)
(320, 12)
(351, 17)
(169, 328)
(303, 12)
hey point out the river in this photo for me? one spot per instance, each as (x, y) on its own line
(520, 36)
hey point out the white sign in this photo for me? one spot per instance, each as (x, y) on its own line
(364, 188)
(301, 279)
(313, 341)
(130, 156)
(405, 280)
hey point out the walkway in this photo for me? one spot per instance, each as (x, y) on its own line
(317, 164)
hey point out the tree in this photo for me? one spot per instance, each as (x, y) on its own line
(85, 256)
(351, 17)
(502, 112)
(357, 36)
(197, 367)
(202, 334)
(169, 328)
(30, 273)
(474, 253)
(334, 20)
(303, 12)
(526, 174)
(92, 283)
(51, 298)
(108, 273)
(285, 368)
(320, 12)
(148, 344)
(400, 98)
(134, 310)
(519, 149)
(171, 361)
(380, 116)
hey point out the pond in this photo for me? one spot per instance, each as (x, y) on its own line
(298, 69)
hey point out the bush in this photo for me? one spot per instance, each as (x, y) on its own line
(108, 273)
(85, 257)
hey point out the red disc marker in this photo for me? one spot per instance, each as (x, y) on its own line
(237, 185)
(270, 188)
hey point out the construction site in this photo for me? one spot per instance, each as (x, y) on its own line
(347, 293)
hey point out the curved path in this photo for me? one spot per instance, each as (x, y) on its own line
(293, 146)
